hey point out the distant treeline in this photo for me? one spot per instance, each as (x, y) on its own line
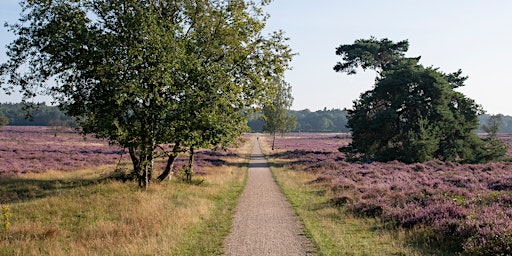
(326, 120)
(333, 120)
(40, 115)
(505, 127)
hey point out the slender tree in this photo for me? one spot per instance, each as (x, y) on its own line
(3, 121)
(275, 112)
(493, 124)
(142, 73)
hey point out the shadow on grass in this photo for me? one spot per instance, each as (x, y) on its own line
(424, 240)
(309, 157)
(296, 153)
(428, 245)
(421, 240)
(259, 165)
(253, 164)
(14, 189)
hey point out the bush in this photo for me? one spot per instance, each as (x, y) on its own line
(4, 121)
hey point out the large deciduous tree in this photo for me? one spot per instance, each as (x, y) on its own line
(142, 73)
(413, 113)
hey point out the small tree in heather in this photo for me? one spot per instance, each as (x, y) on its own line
(413, 114)
(3, 121)
(275, 112)
(494, 146)
(492, 126)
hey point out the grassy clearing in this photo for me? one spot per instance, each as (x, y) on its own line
(334, 232)
(80, 213)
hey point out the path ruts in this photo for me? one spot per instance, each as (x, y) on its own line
(264, 222)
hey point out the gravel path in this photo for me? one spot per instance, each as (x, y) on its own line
(264, 222)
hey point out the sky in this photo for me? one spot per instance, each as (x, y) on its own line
(472, 35)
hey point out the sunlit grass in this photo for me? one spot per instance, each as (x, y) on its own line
(82, 213)
(335, 232)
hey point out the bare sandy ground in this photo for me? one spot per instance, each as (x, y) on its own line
(264, 222)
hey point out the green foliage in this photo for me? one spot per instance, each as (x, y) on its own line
(369, 54)
(6, 216)
(3, 120)
(275, 111)
(413, 114)
(143, 73)
(493, 124)
(326, 120)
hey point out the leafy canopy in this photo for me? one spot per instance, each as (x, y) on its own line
(142, 73)
(413, 114)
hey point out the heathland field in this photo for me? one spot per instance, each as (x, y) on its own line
(433, 208)
(63, 194)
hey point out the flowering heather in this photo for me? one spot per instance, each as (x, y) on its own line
(202, 160)
(507, 137)
(36, 149)
(469, 203)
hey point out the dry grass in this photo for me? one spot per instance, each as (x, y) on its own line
(335, 232)
(80, 213)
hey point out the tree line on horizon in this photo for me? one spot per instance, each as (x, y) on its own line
(326, 120)
(42, 115)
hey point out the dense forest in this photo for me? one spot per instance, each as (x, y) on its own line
(333, 120)
(326, 120)
(40, 115)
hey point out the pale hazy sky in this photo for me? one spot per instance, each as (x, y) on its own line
(473, 35)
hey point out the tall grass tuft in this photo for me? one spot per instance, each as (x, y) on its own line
(6, 214)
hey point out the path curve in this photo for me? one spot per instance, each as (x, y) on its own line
(264, 221)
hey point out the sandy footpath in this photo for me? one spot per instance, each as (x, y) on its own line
(264, 222)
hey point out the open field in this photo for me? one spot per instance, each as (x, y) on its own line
(34, 149)
(84, 212)
(60, 200)
(361, 208)
(37, 148)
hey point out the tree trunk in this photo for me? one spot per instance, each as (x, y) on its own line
(190, 170)
(142, 161)
(170, 162)
(135, 161)
(273, 141)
